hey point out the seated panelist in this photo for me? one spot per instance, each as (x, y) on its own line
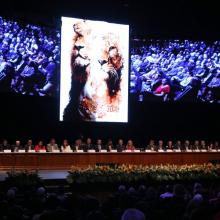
(178, 145)
(88, 145)
(120, 146)
(77, 145)
(109, 146)
(52, 146)
(160, 145)
(4, 145)
(29, 146)
(196, 145)
(130, 146)
(65, 147)
(40, 146)
(15, 148)
(203, 145)
(151, 146)
(169, 145)
(187, 145)
(216, 145)
(99, 146)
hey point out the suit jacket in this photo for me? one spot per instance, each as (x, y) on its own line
(109, 147)
(4, 147)
(196, 147)
(28, 147)
(99, 147)
(51, 148)
(176, 147)
(77, 147)
(120, 148)
(150, 147)
(87, 147)
(16, 148)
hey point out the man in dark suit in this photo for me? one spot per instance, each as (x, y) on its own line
(88, 145)
(4, 145)
(15, 148)
(120, 146)
(99, 146)
(78, 145)
(29, 145)
(151, 146)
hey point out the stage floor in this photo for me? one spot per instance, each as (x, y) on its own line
(44, 174)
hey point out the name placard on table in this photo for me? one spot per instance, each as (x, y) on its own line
(149, 151)
(91, 151)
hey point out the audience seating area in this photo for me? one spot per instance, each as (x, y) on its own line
(169, 202)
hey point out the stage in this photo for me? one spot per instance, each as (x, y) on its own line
(64, 161)
(43, 174)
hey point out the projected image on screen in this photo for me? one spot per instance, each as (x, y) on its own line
(94, 71)
(175, 70)
(29, 58)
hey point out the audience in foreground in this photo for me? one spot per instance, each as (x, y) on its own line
(171, 202)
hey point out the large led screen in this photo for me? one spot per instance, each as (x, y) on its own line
(94, 71)
(175, 70)
(29, 58)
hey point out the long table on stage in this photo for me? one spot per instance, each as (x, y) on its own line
(63, 161)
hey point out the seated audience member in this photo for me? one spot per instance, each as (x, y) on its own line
(169, 145)
(133, 214)
(178, 145)
(65, 147)
(120, 146)
(130, 146)
(151, 146)
(39, 146)
(29, 145)
(52, 145)
(196, 145)
(163, 89)
(187, 145)
(17, 146)
(168, 192)
(99, 146)
(88, 145)
(160, 145)
(5, 145)
(109, 145)
(203, 145)
(78, 145)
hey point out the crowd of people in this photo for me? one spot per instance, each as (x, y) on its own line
(99, 146)
(168, 202)
(173, 70)
(29, 58)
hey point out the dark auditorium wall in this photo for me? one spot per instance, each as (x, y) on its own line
(37, 117)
